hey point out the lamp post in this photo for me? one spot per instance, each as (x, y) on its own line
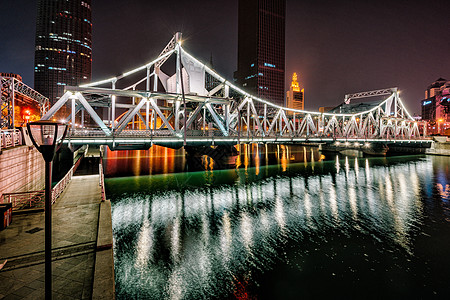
(47, 137)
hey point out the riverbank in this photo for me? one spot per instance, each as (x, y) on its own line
(82, 247)
(440, 146)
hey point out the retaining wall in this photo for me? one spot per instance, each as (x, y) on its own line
(22, 169)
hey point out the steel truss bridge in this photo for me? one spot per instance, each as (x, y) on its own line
(195, 106)
(13, 91)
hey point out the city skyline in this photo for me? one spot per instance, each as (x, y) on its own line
(337, 48)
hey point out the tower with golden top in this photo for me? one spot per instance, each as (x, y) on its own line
(295, 97)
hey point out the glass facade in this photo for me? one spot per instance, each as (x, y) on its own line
(261, 48)
(63, 54)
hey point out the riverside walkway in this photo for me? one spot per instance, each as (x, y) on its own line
(82, 247)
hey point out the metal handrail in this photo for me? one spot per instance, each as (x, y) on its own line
(102, 180)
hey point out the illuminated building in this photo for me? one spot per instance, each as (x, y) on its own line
(261, 48)
(63, 53)
(295, 97)
(436, 106)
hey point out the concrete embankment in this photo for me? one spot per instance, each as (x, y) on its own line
(440, 146)
(82, 263)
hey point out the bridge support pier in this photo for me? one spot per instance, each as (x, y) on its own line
(223, 156)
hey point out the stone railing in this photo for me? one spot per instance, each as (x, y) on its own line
(10, 138)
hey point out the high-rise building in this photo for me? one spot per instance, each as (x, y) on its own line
(436, 104)
(63, 54)
(295, 97)
(261, 48)
(436, 107)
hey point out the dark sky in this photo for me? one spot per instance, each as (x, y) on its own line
(336, 47)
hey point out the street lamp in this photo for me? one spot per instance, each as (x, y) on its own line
(47, 137)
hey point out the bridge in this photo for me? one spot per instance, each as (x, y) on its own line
(194, 106)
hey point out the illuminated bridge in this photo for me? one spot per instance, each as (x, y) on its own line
(195, 106)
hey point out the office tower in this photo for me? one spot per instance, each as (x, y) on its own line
(295, 97)
(261, 48)
(63, 54)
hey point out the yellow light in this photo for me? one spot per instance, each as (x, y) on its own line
(441, 120)
(294, 85)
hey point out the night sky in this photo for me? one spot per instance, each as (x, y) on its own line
(336, 47)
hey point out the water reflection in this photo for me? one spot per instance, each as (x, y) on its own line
(192, 241)
(161, 160)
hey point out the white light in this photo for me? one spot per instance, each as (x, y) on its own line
(337, 143)
(367, 145)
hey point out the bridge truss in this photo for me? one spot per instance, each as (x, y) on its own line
(197, 106)
(12, 89)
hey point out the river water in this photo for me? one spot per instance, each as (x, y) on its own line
(285, 223)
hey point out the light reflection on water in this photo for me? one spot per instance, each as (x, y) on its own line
(227, 234)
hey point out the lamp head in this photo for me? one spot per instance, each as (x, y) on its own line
(47, 137)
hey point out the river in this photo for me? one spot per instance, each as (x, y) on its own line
(285, 223)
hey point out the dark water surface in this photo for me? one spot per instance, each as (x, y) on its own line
(306, 227)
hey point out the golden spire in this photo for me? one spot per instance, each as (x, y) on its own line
(294, 85)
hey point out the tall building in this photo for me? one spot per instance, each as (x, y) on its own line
(295, 97)
(436, 105)
(261, 48)
(63, 54)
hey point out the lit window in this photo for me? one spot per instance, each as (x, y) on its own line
(269, 65)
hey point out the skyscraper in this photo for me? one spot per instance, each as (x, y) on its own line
(63, 54)
(261, 47)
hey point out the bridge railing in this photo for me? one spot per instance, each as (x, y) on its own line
(10, 138)
(102, 180)
(235, 134)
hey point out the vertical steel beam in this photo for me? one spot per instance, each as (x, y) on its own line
(82, 117)
(248, 117)
(113, 107)
(147, 85)
(147, 111)
(227, 117)
(265, 118)
(13, 100)
(73, 112)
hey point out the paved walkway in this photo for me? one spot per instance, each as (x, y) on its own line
(75, 223)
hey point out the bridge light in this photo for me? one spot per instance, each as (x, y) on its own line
(356, 144)
(337, 143)
(367, 145)
(347, 143)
